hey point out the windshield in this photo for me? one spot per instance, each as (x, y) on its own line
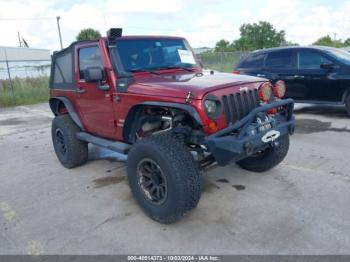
(152, 54)
(340, 55)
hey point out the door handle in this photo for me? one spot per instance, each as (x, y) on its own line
(260, 75)
(299, 76)
(80, 90)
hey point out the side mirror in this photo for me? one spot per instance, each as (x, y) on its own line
(327, 66)
(93, 74)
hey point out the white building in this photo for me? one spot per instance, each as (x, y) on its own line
(24, 62)
(20, 54)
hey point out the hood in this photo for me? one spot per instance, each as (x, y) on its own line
(179, 85)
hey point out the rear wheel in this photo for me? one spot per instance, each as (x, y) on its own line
(70, 151)
(347, 105)
(163, 177)
(267, 158)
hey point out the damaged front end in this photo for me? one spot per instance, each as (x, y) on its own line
(254, 132)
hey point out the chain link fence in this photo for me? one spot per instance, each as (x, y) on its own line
(221, 61)
(24, 82)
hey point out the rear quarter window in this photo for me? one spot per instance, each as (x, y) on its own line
(280, 59)
(253, 61)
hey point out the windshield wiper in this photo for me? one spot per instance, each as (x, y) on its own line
(144, 70)
(179, 67)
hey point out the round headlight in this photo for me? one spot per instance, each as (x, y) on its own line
(212, 106)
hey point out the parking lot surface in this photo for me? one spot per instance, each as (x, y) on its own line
(300, 207)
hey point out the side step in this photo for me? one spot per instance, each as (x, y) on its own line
(119, 147)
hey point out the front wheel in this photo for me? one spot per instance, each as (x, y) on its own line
(268, 158)
(163, 177)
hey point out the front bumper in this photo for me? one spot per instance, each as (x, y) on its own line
(234, 143)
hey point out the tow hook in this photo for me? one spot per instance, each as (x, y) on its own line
(248, 148)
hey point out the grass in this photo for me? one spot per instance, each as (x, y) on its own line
(25, 90)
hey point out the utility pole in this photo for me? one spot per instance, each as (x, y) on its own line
(59, 30)
(19, 40)
(10, 79)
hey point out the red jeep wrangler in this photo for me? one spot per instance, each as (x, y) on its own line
(147, 97)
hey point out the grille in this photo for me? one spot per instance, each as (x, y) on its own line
(238, 105)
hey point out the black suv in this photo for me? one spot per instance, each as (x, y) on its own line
(314, 74)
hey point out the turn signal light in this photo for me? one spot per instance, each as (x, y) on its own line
(279, 89)
(265, 92)
(272, 111)
(212, 126)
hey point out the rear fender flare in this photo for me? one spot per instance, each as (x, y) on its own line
(54, 105)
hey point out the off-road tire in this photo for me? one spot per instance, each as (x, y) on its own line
(347, 105)
(178, 166)
(267, 159)
(76, 151)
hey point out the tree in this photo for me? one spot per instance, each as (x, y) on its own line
(222, 46)
(347, 42)
(88, 34)
(258, 36)
(328, 41)
(254, 36)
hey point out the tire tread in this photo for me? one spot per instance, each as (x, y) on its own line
(185, 173)
(77, 150)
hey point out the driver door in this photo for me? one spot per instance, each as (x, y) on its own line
(94, 105)
(319, 83)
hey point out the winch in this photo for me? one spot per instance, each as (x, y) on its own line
(263, 122)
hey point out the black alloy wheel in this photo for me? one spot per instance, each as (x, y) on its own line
(152, 181)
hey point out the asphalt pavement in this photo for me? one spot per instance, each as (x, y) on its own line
(300, 207)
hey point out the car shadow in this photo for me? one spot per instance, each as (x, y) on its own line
(334, 111)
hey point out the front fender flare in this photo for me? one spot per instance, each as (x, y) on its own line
(133, 113)
(187, 108)
(54, 103)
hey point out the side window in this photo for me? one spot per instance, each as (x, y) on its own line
(253, 61)
(63, 71)
(280, 59)
(89, 57)
(308, 59)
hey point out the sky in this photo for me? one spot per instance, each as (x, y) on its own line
(202, 22)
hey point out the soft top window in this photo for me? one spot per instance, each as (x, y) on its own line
(62, 75)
